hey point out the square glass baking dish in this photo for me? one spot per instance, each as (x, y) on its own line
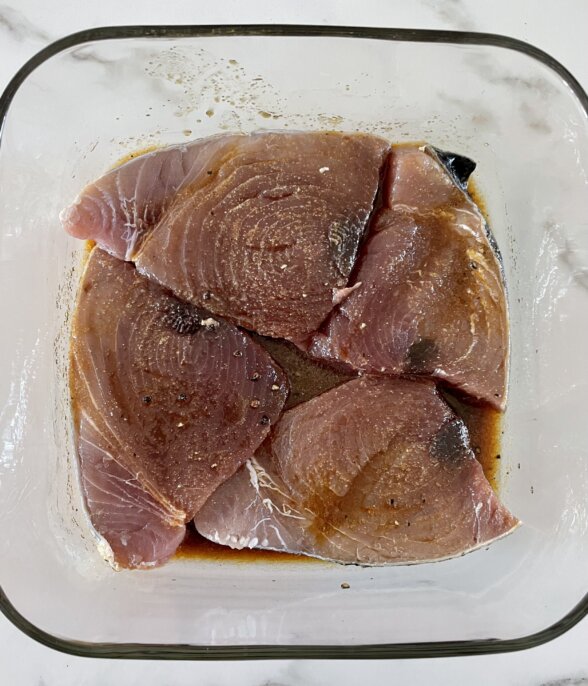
(91, 98)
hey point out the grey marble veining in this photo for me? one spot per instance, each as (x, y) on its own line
(15, 24)
(566, 681)
(481, 115)
(497, 75)
(571, 258)
(453, 12)
(86, 54)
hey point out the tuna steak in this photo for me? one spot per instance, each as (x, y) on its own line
(140, 532)
(376, 471)
(264, 231)
(429, 298)
(179, 399)
(120, 209)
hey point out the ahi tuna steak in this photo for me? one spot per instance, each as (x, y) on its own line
(140, 532)
(262, 229)
(375, 471)
(179, 399)
(428, 294)
(119, 210)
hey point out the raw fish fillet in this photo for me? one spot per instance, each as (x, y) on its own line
(140, 532)
(179, 399)
(264, 233)
(429, 296)
(376, 471)
(120, 209)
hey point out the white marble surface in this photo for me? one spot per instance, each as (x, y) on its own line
(28, 25)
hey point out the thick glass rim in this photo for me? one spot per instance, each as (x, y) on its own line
(139, 651)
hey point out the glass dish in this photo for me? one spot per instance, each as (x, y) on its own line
(89, 99)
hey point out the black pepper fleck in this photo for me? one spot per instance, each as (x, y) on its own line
(181, 317)
(146, 399)
(265, 420)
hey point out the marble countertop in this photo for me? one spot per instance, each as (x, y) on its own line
(28, 25)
